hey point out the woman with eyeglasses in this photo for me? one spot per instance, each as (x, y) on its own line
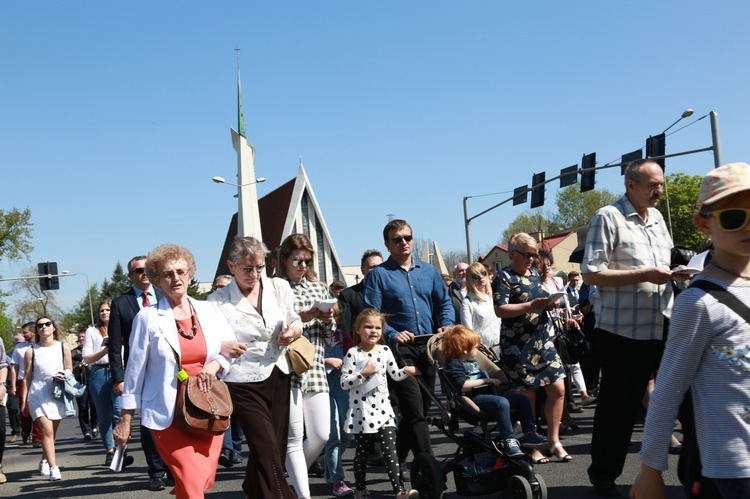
(477, 310)
(45, 362)
(310, 412)
(260, 311)
(528, 354)
(101, 389)
(177, 336)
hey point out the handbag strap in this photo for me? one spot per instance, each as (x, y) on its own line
(724, 296)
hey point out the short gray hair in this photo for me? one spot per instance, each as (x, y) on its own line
(244, 246)
(633, 170)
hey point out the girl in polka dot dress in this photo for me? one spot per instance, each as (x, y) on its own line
(370, 415)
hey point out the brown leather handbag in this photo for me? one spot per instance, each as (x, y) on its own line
(201, 412)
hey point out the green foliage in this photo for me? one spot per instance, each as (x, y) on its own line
(118, 285)
(6, 327)
(15, 234)
(80, 316)
(194, 292)
(683, 195)
(529, 221)
(575, 209)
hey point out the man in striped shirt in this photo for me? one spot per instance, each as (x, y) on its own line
(627, 258)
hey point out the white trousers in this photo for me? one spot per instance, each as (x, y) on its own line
(309, 414)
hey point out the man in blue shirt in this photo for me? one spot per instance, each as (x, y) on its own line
(415, 300)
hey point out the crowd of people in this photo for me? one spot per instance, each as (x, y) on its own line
(545, 330)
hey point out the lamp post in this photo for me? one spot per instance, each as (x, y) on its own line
(685, 114)
(246, 198)
(88, 289)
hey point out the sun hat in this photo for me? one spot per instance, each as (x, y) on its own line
(723, 182)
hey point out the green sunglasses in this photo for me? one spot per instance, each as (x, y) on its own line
(730, 219)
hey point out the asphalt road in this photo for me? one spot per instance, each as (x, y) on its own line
(84, 474)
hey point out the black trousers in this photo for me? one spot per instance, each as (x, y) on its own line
(156, 466)
(413, 429)
(628, 366)
(262, 409)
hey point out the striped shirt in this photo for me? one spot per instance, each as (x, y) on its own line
(619, 239)
(708, 350)
(306, 293)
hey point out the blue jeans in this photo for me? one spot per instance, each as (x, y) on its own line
(338, 439)
(232, 439)
(106, 401)
(500, 406)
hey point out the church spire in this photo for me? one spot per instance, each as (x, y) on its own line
(240, 111)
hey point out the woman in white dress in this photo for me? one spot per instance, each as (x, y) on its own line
(44, 363)
(477, 309)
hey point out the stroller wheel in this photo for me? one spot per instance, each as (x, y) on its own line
(520, 488)
(427, 476)
(540, 490)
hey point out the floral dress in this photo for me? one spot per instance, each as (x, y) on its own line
(528, 354)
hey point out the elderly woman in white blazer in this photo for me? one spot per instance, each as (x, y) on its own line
(261, 313)
(194, 332)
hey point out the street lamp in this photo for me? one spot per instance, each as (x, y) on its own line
(220, 180)
(685, 114)
(88, 289)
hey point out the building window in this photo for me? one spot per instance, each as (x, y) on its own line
(305, 215)
(320, 240)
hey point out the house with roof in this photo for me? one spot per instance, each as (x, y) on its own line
(561, 245)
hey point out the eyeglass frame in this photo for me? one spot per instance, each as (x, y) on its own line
(527, 255)
(717, 215)
(299, 261)
(42, 325)
(397, 240)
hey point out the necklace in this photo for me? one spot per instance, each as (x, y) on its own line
(194, 327)
(746, 278)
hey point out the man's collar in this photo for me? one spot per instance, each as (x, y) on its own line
(391, 263)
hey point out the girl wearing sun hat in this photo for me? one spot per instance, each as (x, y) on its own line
(708, 350)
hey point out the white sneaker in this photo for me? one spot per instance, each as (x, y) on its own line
(44, 467)
(55, 473)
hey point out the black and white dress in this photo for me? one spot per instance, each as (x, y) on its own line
(370, 410)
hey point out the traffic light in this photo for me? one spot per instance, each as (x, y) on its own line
(520, 195)
(656, 146)
(48, 283)
(629, 158)
(568, 176)
(537, 189)
(588, 172)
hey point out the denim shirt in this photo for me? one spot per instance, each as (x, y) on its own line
(416, 301)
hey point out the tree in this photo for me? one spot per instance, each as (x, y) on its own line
(34, 302)
(80, 315)
(683, 196)
(194, 291)
(6, 327)
(453, 258)
(529, 221)
(15, 234)
(575, 208)
(118, 285)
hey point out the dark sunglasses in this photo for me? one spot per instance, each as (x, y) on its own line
(139, 270)
(730, 219)
(257, 268)
(297, 263)
(527, 255)
(479, 275)
(397, 240)
(40, 325)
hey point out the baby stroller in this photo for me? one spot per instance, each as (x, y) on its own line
(478, 466)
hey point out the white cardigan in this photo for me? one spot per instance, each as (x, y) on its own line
(150, 376)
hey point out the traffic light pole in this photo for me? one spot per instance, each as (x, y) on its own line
(715, 147)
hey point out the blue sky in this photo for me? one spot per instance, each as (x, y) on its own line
(114, 116)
